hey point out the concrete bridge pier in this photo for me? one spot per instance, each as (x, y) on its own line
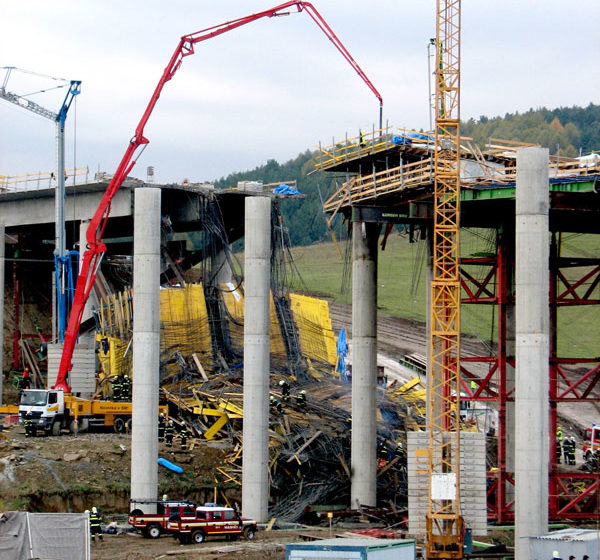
(146, 346)
(364, 363)
(255, 473)
(532, 348)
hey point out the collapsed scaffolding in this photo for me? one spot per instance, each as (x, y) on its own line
(201, 371)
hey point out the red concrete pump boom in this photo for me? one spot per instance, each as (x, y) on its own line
(95, 248)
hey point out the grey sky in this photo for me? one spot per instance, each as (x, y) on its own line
(275, 87)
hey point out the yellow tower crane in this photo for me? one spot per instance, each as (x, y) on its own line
(444, 523)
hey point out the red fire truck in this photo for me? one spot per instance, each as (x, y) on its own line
(211, 520)
(591, 441)
(153, 525)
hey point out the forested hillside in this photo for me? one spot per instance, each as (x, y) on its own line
(572, 130)
(569, 130)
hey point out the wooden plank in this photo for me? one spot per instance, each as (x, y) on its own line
(304, 446)
(199, 367)
(344, 465)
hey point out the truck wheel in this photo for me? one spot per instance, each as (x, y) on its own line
(128, 425)
(119, 425)
(153, 530)
(249, 533)
(56, 428)
(198, 536)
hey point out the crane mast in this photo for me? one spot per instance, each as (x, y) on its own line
(444, 523)
(61, 255)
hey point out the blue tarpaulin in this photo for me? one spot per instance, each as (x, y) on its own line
(285, 189)
(168, 465)
(342, 352)
(408, 138)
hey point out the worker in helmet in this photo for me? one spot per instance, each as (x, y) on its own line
(162, 423)
(301, 399)
(572, 448)
(169, 430)
(126, 388)
(275, 404)
(95, 524)
(566, 450)
(26, 379)
(559, 438)
(183, 435)
(117, 388)
(285, 390)
(29, 425)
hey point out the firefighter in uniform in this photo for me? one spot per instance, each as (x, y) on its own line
(29, 427)
(126, 388)
(566, 450)
(285, 390)
(559, 438)
(169, 434)
(161, 427)
(117, 387)
(95, 521)
(301, 399)
(183, 435)
(275, 404)
(572, 447)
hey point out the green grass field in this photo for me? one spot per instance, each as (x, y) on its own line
(402, 278)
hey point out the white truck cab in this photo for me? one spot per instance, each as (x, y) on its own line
(47, 408)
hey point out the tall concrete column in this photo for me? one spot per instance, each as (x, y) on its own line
(532, 348)
(2, 269)
(146, 345)
(255, 476)
(364, 364)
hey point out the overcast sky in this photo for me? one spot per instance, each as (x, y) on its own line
(275, 87)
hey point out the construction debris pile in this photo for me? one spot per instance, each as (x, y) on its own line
(202, 374)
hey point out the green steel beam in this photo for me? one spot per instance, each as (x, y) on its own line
(509, 190)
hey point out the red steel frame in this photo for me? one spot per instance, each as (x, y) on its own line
(573, 495)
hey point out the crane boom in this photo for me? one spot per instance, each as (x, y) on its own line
(95, 248)
(444, 523)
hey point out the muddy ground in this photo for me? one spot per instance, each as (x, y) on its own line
(268, 545)
(74, 473)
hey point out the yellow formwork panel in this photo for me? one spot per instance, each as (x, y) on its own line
(312, 318)
(111, 361)
(184, 323)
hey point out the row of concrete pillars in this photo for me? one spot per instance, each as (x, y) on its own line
(532, 351)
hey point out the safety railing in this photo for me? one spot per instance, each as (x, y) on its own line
(354, 147)
(364, 187)
(42, 180)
